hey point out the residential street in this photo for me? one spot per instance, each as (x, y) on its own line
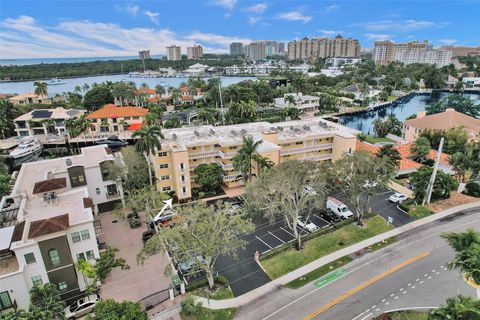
(410, 273)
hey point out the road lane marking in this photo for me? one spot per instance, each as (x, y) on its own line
(287, 232)
(367, 316)
(277, 237)
(413, 287)
(361, 314)
(366, 284)
(429, 278)
(264, 242)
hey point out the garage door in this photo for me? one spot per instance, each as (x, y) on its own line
(108, 206)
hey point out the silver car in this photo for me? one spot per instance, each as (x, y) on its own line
(81, 307)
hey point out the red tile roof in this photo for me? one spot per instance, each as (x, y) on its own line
(185, 89)
(47, 226)
(49, 185)
(145, 90)
(187, 98)
(113, 111)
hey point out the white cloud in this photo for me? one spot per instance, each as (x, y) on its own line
(129, 8)
(24, 37)
(153, 16)
(258, 8)
(228, 4)
(402, 26)
(294, 16)
(378, 37)
(447, 42)
(253, 20)
(329, 33)
(330, 8)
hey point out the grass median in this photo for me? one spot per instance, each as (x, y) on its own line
(287, 261)
(405, 315)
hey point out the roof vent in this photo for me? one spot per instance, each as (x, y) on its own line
(68, 162)
(280, 128)
(292, 128)
(233, 132)
(174, 136)
(243, 131)
(212, 132)
(306, 128)
(196, 133)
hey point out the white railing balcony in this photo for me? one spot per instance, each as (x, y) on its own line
(231, 177)
(319, 157)
(227, 167)
(316, 147)
(207, 154)
(227, 155)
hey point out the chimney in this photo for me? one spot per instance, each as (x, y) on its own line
(421, 114)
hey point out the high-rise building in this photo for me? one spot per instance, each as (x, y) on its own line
(386, 52)
(174, 53)
(144, 54)
(462, 51)
(281, 48)
(236, 48)
(195, 52)
(312, 49)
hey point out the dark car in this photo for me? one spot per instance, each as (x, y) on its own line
(113, 142)
(147, 235)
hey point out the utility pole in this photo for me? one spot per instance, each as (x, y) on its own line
(221, 102)
(428, 194)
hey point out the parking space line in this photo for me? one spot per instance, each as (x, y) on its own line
(277, 238)
(264, 243)
(287, 232)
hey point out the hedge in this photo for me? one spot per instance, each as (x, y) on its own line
(199, 283)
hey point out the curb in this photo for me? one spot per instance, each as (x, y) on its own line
(276, 283)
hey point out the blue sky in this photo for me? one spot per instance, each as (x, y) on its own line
(70, 28)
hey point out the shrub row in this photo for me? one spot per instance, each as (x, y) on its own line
(199, 283)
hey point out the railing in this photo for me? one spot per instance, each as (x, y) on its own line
(319, 157)
(231, 178)
(207, 154)
(227, 155)
(316, 147)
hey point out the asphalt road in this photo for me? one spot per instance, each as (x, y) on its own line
(410, 273)
(244, 274)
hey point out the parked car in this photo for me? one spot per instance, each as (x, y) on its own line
(168, 219)
(397, 197)
(339, 208)
(370, 184)
(235, 208)
(188, 264)
(81, 307)
(113, 142)
(309, 226)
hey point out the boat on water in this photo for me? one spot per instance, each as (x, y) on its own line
(54, 82)
(27, 146)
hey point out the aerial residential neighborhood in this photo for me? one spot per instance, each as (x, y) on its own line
(238, 159)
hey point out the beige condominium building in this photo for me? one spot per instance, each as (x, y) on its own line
(312, 49)
(174, 53)
(195, 52)
(184, 149)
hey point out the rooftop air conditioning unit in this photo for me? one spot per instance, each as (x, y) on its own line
(174, 136)
(306, 128)
(196, 133)
(68, 162)
(280, 128)
(212, 132)
(233, 132)
(243, 131)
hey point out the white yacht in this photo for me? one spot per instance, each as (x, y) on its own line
(27, 146)
(55, 81)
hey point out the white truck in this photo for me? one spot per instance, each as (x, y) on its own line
(339, 208)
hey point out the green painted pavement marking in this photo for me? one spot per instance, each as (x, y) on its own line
(330, 277)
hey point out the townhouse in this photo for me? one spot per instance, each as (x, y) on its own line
(184, 149)
(115, 119)
(48, 224)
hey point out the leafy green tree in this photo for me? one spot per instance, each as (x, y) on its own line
(243, 110)
(123, 91)
(245, 158)
(420, 149)
(97, 97)
(433, 136)
(4, 184)
(292, 190)
(388, 151)
(7, 114)
(353, 171)
(457, 308)
(464, 162)
(110, 309)
(456, 140)
(380, 127)
(148, 141)
(207, 231)
(41, 88)
(444, 184)
(457, 102)
(209, 176)
(329, 102)
(107, 262)
(46, 302)
(172, 123)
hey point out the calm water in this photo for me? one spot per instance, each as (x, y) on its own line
(21, 62)
(71, 83)
(363, 121)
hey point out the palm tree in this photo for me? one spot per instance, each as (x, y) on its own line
(243, 160)
(123, 124)
(206, 116)
(467, 255)
(328, 102)
(459, 307)
(159, 89)
(6, 114)
(46, 302)
(244, 110)
(420, 149)
(150, 119)
(85, 87)
(50, 125)
(149, 140)
(290, 100)
(77, 90)
(41, 88)
(175, 94)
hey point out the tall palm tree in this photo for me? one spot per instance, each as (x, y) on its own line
(41, 88)
(245, 110)
(6, 114)
(467, 258)
(149, 140)
(459, 307)
(245, 157)
(290, 100)
(123, 124)
(85, 87)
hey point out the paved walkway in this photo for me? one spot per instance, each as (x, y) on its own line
(275, 284)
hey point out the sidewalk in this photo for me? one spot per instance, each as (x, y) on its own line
(275, 284)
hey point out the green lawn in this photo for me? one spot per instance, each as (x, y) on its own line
(407, 315)
(219, 293)
(374, 140)
(207, 314)
(315, 248)
(419, 212)
(317, 273)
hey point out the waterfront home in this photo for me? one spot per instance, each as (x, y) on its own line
(301, 102)
(190, 96)
(48, 224)
(357, 90)
(196, 70)
(441, 121)
(114, 119)
(45, 121)
(471, 82)
(29, 98)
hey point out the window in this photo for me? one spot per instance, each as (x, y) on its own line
(298, 142)
(77, 176)
(54, 257)
(167, 188)
(232, 147)
(194, 148)
(164, 177)
(5, 301)
(162, 154)
(81, 256)
(93, 128)
(62, 286)
(85, 234)
(184, 190)
(163, 166)
(183, 178)
(37, 280)
(76, 236)
(182, 166)
(90, 255)
(97, 190)
(114, 120)
(136, 117)
(30, 258)
(127, 118)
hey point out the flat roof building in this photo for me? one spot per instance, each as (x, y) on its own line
(174, 53)
(195, 52)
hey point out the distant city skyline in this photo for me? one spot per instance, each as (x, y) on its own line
(51, 29)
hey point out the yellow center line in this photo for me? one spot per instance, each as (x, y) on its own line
(365, 284)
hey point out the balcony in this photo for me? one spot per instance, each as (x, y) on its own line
(207, 154)
(112, 191)
(316, 147)
(327, 156)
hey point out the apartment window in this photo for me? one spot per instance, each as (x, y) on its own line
(298, 142)
(89, 254)
(232, 147)
(164, 177)
(136, 117)
(194, 148)
(97, 190)
(5, 301)
(182, 167)
(77, 176)
(184, 190)
(162, 154)
(54, 257)
(163, 165)
(85, 234)
(30, 258)
(62, 286)
(167, 188)
(93, 128)
(37, 280)
(81, 256)
(114, 120)
(76, 236)
(127, 118)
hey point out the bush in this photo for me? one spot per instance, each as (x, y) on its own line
(189, 308)
(134, 223)
(199, 283)
(472, 189)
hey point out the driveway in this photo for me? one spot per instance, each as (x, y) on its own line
(139, 281)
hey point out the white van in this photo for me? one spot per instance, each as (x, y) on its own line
(309, 226)
(339, 208)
